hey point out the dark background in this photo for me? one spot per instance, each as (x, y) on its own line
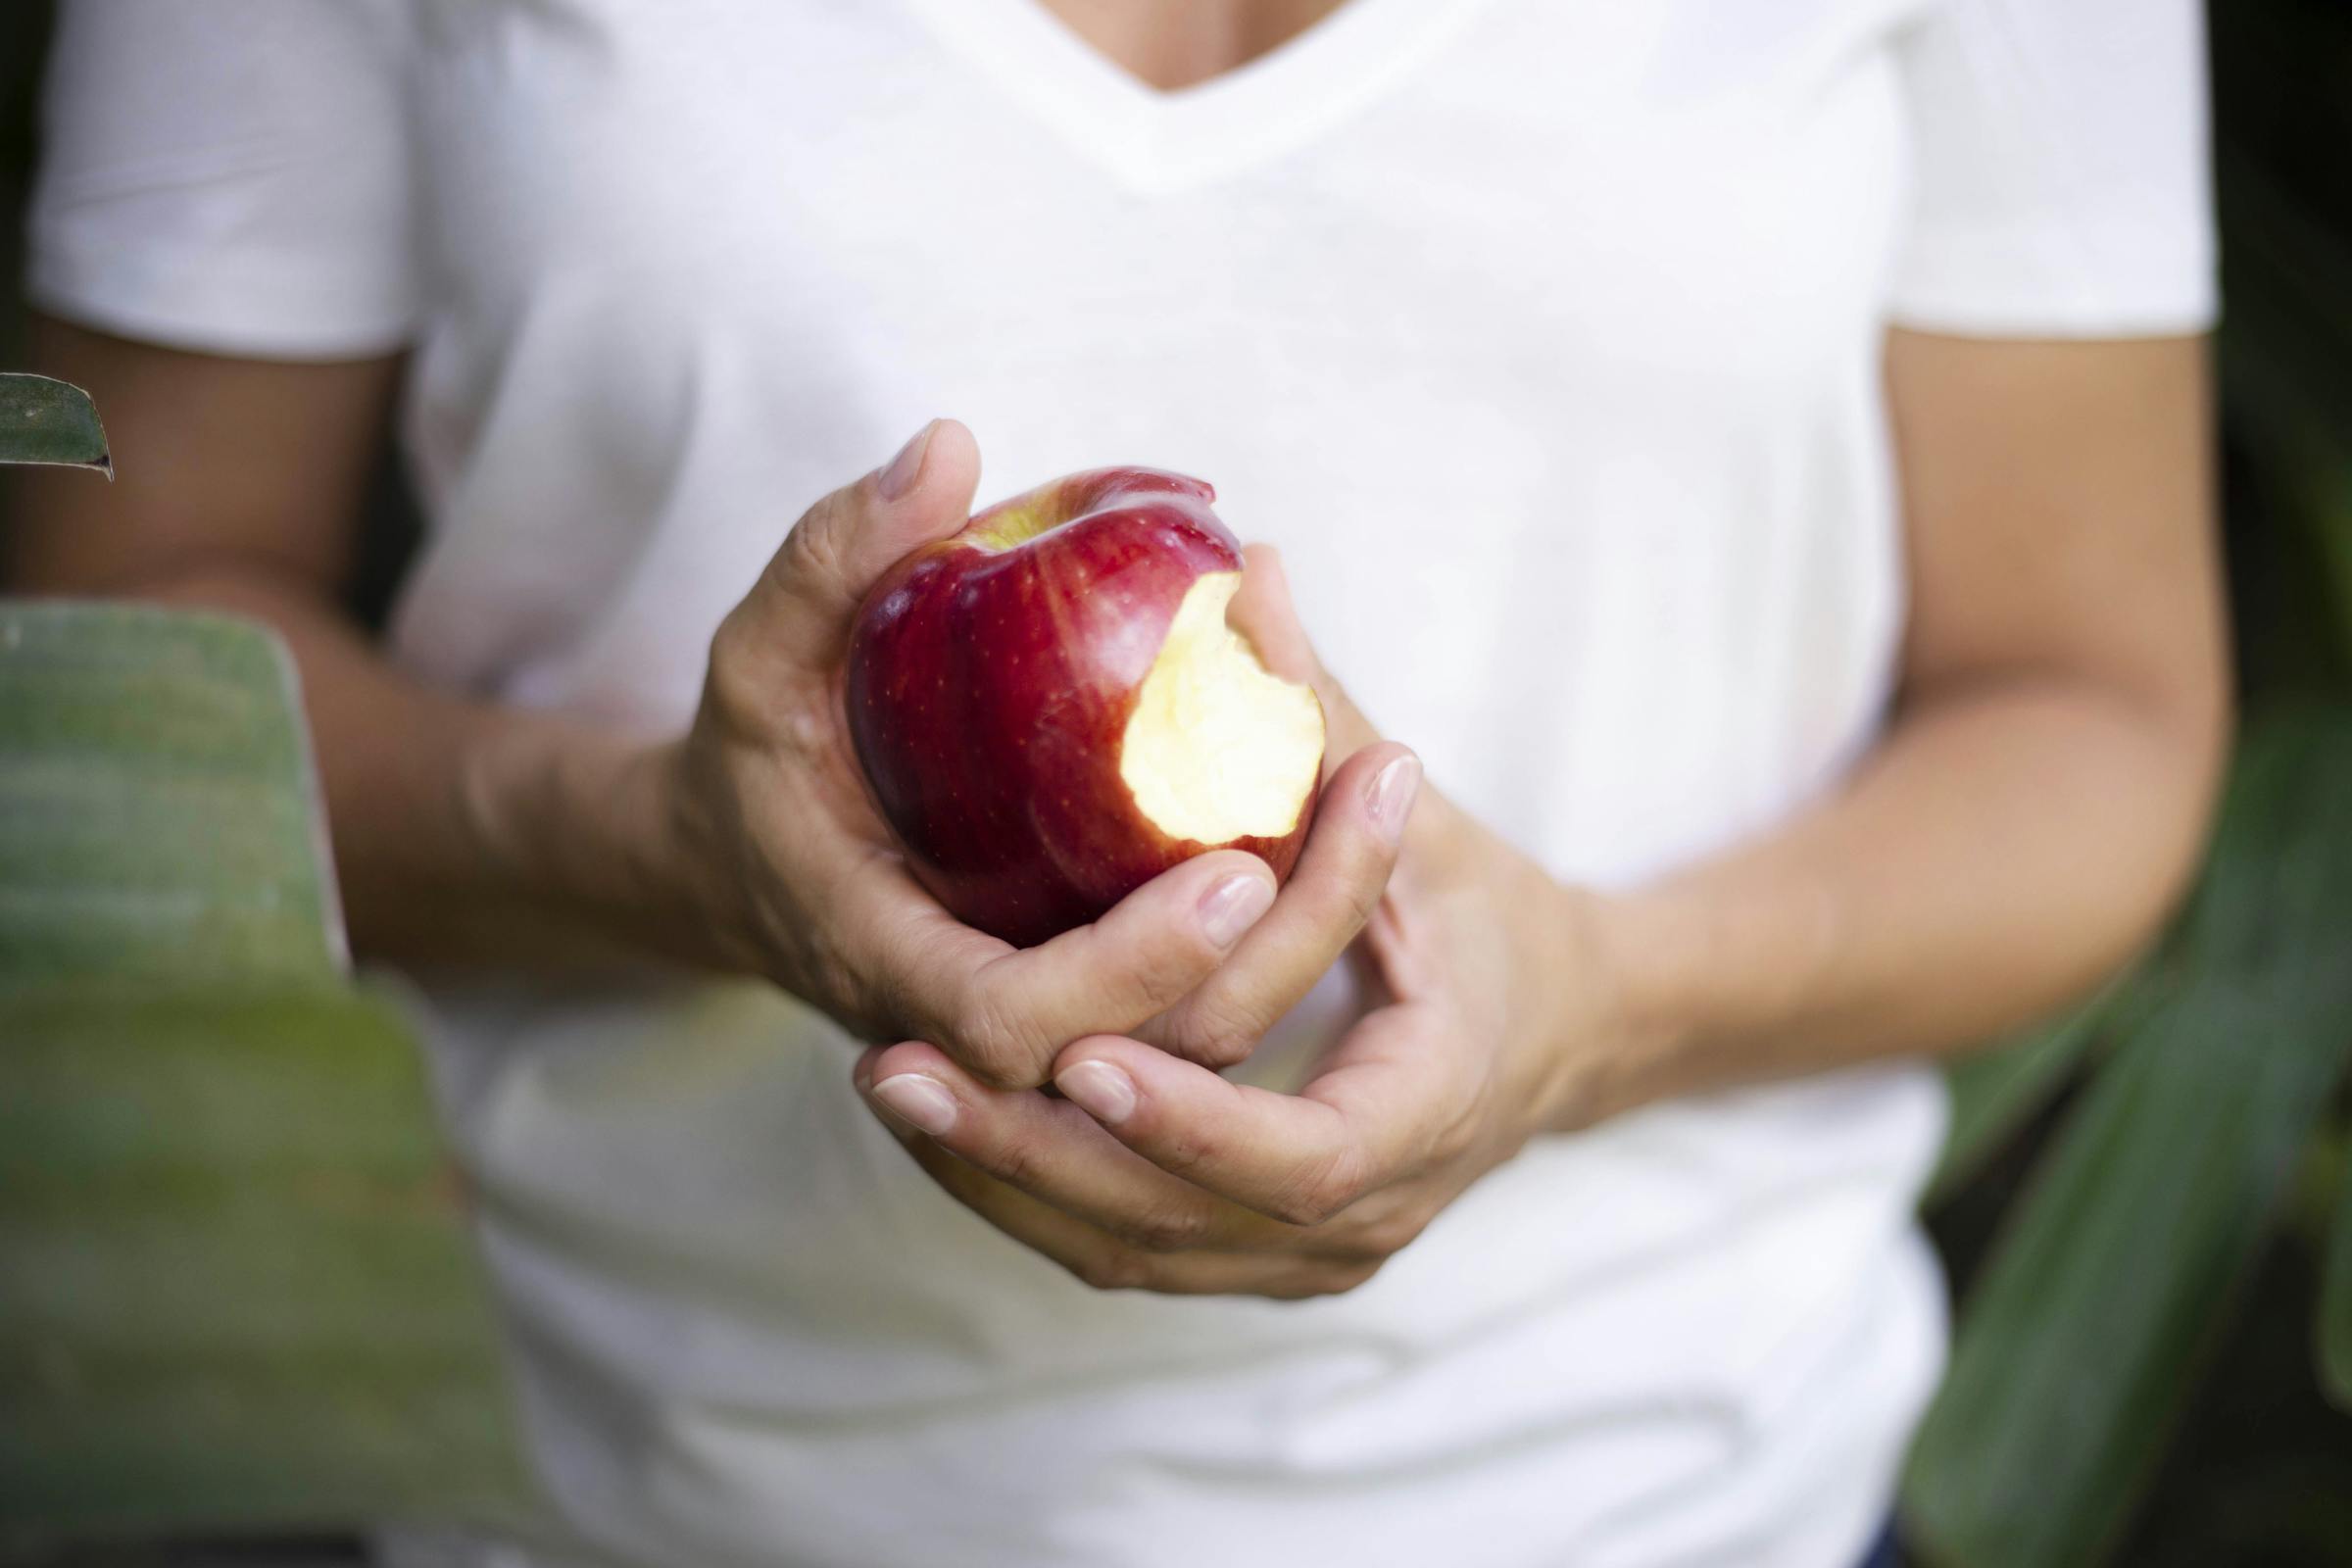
(2260, 1472)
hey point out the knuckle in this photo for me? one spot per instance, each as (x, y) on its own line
(1017, 1162)
(827, 978)
(1348, 897)
(1172, 1229)
(1451, 1142)
(1460, 1132)
(1383, 1238)
(1111, 1269)
(1302, 1207)
(1182, 1153)
(757, 688)
(813, 552)
(1162, 973)
(1328, 1279)
(995, 1045)
(1319, 1194)
(736, 688)
(1218, 1029)
(732, 644)
(1362, 895)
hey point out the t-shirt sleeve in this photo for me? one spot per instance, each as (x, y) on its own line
(229, 175)
(2061, 169)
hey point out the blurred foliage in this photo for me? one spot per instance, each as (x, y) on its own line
(159, 820)
(235, 1284)
(2151, 1148)
(2151, 1201)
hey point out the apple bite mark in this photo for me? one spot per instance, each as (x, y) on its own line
(1218, 748)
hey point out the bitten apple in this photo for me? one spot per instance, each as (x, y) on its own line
(1051, 710)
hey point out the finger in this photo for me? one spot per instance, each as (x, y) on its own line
(1395, 1098)
(1263, 611)
(1004, 1012)
(1059, 1155)
(1350, 850)
(1373, 1229)
(801, 610)
(1103, 1261)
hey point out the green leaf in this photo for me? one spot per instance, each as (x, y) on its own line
(42, 420)
(236, 1290)
(1997, 1091)
(2089, 1325)
(158, 819)
(2335, 1304)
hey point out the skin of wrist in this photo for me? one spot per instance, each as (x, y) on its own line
(1624, 1017)
(693, 851)
(591, 825)
(1701, 979)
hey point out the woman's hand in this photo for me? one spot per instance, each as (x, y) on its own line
(1154, 1173)
(474, 836)
(801, 882)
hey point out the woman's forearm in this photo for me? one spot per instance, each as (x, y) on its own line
(2007, 846)
(463, 832)
(467, 834)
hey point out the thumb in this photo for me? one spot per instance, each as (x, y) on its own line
(1263, 613)
(803, 604)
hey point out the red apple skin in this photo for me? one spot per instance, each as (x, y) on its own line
(988, 691)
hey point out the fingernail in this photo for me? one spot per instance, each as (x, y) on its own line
(903, 469)
(1232, 906)
(1391, 796)
(921, 1103)
(1101, 1090)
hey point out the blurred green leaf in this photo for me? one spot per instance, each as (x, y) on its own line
(237, 1288)
(42, 420)
(158, 819)
(2335, 1304)
(1996, 1092)
(234, 1286)
(2085, 1329)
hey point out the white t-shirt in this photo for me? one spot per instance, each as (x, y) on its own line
(1544, 337)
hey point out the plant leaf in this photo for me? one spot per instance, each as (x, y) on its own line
(1997, 1091)
(2091, 1317)
(43, 421)
(2335, 1304)
(236, 1289)
(158, 819)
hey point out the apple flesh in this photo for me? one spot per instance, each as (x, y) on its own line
(1050, 709)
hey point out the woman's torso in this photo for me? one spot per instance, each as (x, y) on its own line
(1544, 340)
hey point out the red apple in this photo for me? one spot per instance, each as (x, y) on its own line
(1051, 710)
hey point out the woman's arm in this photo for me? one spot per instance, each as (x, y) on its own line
(240, 489)
(2039, 798)
(474, 834)
(2032, 810)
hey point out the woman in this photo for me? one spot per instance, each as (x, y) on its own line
(1754, 454)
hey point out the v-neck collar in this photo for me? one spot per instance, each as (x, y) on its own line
(1159, 141)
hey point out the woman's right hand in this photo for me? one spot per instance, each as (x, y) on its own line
(801, 883)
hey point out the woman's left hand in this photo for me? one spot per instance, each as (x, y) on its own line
(1154, 1173)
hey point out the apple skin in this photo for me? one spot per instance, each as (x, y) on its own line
(988, 690)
